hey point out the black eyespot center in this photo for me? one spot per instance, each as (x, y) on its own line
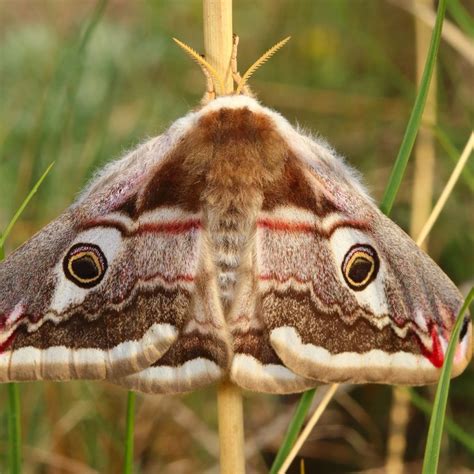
(85, 265)
(360, 266)
(359, 269)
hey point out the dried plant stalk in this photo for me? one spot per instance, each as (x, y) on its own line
(218, 52)
(218, 39)
(231, 429)
(309, 427)
(447, 190)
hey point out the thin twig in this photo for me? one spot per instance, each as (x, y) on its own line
(447, 190)
(309, 427)
(451, 33)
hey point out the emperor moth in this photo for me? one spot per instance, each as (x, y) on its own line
(232, 245)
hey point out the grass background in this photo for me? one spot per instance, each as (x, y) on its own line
(81, 82)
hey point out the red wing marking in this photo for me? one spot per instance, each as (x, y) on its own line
(172, 227)
(284, 226)
(177, 227)
(7, 343)
(435, 356)
(280, 225)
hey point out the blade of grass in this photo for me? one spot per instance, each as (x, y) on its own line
(20, 210)
(435, 432)
(128, 462)
(461, 16)
(293, 429)
(408, 141)
(58, 107)
(14, 427)
(452, 428)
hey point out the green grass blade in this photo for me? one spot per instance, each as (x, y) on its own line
(452, 428)
(91, 26)
(59, 106)
(20, 210)
(14, 429)
(128, 462)
(415, 118)
(461, 16)
(435, 432)
(293, 429)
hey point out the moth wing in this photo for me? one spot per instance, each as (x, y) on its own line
(345, 294)
(201, 354)
(256, 365)
(105, 289)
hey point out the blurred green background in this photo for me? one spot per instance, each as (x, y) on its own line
(83, 81)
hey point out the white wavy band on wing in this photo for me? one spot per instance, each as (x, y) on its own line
(372, 366)
(63, 363)
(250, 374)
(189, 376)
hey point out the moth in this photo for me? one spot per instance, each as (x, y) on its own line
(232, 245)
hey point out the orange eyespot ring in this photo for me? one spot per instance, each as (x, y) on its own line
(360, 266)
(85, 265)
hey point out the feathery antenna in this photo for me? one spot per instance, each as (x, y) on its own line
(202, 62)
(264, 58)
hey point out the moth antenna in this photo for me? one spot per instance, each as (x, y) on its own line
(202, 62)
(264, 58)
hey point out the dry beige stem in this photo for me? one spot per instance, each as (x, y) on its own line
(447, 190)
(309, 427)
